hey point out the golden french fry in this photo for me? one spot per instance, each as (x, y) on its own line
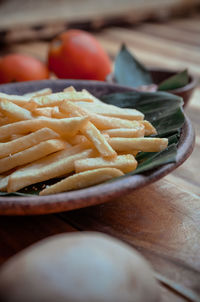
(11, 138)
(82, 180)
(4, 183)
(112, 111)
(91, 96)
(149, 128)
(57, 114)
(41, 92)
(126, 132)
(49, 112)
(65, 127)
(26, 141)
(70, 88)
(99, 141)
(31, 154)
(105, 122)
(72, 109)
(101, 122)
(41, 170)
(44, 111)
(101, 108)
(15, 136)
(140, 144)
(125, 163)
(55, 99)
(4, 121)
(31, 106)
(89, 130)
(132, 152)
(14, 112)
(78, 139)
(16, 99)
(30, 128)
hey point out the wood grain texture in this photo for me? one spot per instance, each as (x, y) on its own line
(164, 228)
(22, 13)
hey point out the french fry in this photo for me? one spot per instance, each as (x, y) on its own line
(70, 88)
(31, 106)
(65, 127)
(44, 111)
(72, 109)
(4, 121)
(15, 136)
(101, 122)
(126, 132)
(41, 170)
(99, 141)
(41, 92)
(82, 180)
(31, 154)
(132, 152)
(26, 141)
(55, 99)
(140, 144)
(112, 111)
(11, 138)
(101, 108)
(49, 112)
(91, 96)
(16, 99)
(105, 122)
(89, 130)
(149, 128)
(57, 114)
(45, 135)
(4, 183)
(125, 163)
(78, 139)
(14, 112)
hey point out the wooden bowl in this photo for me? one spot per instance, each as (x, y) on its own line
(160, 75)
(18, 205)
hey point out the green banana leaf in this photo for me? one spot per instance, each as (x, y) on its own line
(129, 71)
(162, 109)
(176, 81)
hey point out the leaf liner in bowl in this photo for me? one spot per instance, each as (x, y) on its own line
(162, 109)
(129, 71)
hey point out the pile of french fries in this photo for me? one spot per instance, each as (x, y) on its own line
(70, 135)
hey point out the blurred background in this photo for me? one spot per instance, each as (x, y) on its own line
(28, 19)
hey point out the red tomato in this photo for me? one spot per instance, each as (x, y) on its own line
(76, 54)
(18, 67)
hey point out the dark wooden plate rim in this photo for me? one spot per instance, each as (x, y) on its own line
(17, 205)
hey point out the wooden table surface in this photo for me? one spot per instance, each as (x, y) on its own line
(162, 220)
